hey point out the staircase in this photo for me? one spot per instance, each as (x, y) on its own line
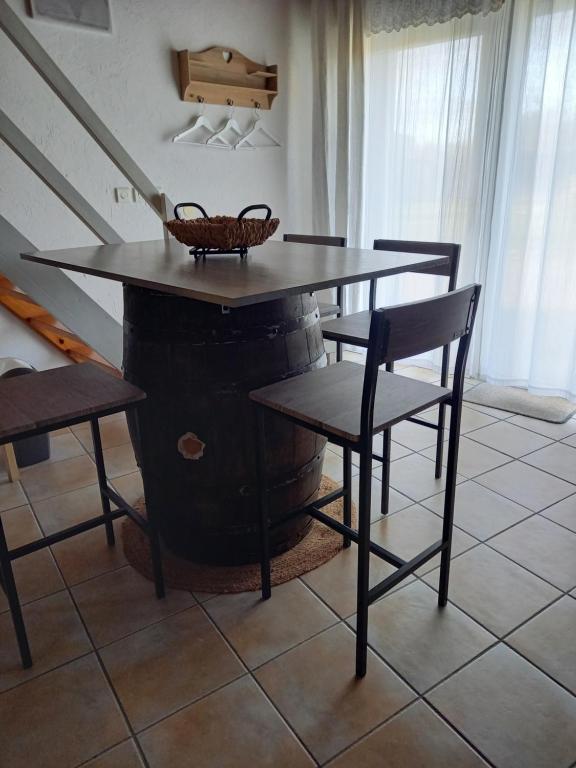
(47, 326)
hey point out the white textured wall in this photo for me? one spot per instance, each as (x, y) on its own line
(129, 77)
(20, 341)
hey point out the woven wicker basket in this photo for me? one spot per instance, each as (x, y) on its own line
(221, 232)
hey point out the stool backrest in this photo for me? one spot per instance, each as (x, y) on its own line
(316, 240)
(450, 270)
(411, 329)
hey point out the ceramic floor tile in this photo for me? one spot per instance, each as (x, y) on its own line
(235, 727)
(260, 629)
(36, 575)
(412, 530)
(415, 738)
(422, 642)
(335, 581)
(558, 459)
(47, 479)
(413, 436)
(473, 458)
(480, 511)
(64, 446)
(55, 634)
(67, 509)
(20, 526)
(122, 602)
(497, 413)
(333, 466)
(398, 451)
(314, 687)
(563, 513)
(496, 592)
(125, 755)
(510, 439)
(547, 640)
(166, 666)
(570, 441)
(470, 419)
(541, 546)
(414, 477)
(11, 495)
(88, 555)
(396, 500)
(129, 486)
(119, 460)
(112, 433)
(546, 428)
(60, 719)
(422, 374)
(511, 712)
(526, 485)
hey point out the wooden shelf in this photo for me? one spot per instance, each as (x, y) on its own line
(225, 76)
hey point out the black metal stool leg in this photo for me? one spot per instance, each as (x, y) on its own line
(386, 453)
(386, 450)
(263, 506)
(9, 587)
(364, 503)
(449, 498)
(347, 500)
(156, 558)
(339, 300)
(442, 413)
(152, 525)
(102, 482)
(440, 440)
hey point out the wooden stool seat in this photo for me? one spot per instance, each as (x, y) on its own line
(330, 399)
(350, 329)
(48, 400)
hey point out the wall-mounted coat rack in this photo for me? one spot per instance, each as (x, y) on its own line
(225, 76)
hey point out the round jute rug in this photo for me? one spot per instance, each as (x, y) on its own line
(319, 545)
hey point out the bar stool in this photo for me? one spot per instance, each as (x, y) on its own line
(326, 310)
(49, 400)
(348, 404)
(355, 329)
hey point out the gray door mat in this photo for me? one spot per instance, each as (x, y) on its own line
(554, 409)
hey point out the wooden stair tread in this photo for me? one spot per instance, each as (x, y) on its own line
(46, 325)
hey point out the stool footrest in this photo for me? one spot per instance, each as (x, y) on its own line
(352, 534)
(405, 570)
(87, 525)
(305, 510)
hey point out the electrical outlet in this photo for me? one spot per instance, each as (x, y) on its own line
(136, 196)
(123, 194)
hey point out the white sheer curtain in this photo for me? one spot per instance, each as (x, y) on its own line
(433, 118)
(529, 331)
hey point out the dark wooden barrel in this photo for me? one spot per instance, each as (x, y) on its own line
(197, 363)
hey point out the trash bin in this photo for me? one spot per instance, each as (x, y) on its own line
(30, 450)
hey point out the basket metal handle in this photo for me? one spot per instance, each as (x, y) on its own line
(188, 205)
(244, 211)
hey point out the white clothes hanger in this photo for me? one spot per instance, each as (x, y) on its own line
(199, 132)
(230, 134)
(258, 136)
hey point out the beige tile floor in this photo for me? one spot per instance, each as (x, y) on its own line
(122, 680)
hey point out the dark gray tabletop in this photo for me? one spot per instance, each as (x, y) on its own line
(270, 271)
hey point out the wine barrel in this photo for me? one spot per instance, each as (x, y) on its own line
(197, 362)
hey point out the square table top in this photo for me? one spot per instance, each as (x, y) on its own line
(270, 271)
